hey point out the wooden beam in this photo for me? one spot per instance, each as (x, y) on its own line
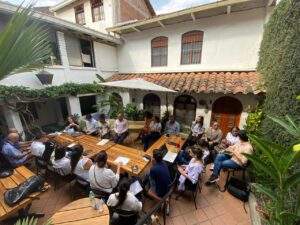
(193, 16)
(228, 9)
(135, 29)
(161, 24)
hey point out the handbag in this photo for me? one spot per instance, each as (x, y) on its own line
(25, 189)
(239, 189)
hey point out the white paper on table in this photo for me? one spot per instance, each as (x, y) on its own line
(58, 133)
(103, 142)
(71, 145)
(135, 187)
(122, 160)
(170, 157)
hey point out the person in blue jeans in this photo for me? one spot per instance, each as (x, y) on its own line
(233, 158)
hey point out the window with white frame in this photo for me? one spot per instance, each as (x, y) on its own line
(191, 47)
(159, 51)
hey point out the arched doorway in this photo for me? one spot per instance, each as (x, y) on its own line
(151, 103)
(227, 111)
(185, 109)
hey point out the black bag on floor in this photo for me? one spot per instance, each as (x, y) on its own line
(239, 189)
(17, 194)
(6, 169)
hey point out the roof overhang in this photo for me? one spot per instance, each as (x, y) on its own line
(190, 14)
(61, 5)
(64, 25)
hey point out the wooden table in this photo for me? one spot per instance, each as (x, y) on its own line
(165, 140)
(113, 150)
(20, 175)
(80, 212)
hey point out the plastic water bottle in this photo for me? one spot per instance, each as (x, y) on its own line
(92, 199)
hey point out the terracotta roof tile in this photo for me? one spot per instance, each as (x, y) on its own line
(201, 82)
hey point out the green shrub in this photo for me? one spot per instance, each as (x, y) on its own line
(132, 112)
(279, 65)
(254, 119)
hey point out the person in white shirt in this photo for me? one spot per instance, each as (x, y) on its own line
(232, 137)
(124, 199)
(61, 163)
(80, 166)
(102, 178)
(104, 127)
(121, 129)
(155, 132)
(189, 174)
(38, 147)
(91, 125)
(197, 130)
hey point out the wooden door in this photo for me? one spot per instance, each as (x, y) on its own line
(227, 111)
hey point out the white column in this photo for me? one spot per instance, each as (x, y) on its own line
(73, 105)
(125, 97)
(13, 119)
(62, 48)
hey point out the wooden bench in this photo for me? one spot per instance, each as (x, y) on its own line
(20, 175)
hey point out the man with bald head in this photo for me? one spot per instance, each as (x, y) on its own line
(12, 152)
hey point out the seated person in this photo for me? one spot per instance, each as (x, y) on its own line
(104, 127)
(231, 139)
(190, 173)
(213, 137)
(60, 162)
(184, 156)
(124, 199)
(172, 126)
(197, 130)
(146, 129)
(159, 177)
(80, 165)
(234, 157)
(91, 125)
(42, 147)
(154, 132)
(102, 178)
(12, 152)
(121, 129)
(72, 126)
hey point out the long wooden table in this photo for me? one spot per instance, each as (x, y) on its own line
(20, 175)
(80, 212)
(167, 141)
(91, 148)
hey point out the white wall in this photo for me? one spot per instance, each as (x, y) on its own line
(231, 42)
(68, 13)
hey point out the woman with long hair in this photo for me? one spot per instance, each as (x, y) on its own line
(124, 199)
(80, 165)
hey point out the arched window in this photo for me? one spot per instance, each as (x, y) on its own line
(191, 47)
(185, 109)
(159, 51)
(151, 103)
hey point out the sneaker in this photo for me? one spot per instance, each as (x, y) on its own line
(213, 179)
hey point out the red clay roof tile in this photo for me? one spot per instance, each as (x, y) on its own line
(201, 82)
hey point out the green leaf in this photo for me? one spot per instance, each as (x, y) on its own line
(267, 148)
(288, 124)
(262, 166)
(24, 44)
(292, 181)
(264, 190)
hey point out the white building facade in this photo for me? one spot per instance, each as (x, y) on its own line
(208, 54)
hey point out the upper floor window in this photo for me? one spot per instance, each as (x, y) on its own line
(79, 14)
(97, 10)
(191, 47)
(159, 51)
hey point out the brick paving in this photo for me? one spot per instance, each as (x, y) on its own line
(214, 207)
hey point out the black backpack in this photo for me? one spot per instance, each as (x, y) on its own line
(239, 189)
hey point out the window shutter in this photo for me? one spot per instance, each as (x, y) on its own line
(73, 50)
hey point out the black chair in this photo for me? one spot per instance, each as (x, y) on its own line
(232, 172)
(123, 217)
(59, 175)
(193, 188)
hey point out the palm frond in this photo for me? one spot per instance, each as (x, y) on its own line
(31, 221)
(24, 44)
